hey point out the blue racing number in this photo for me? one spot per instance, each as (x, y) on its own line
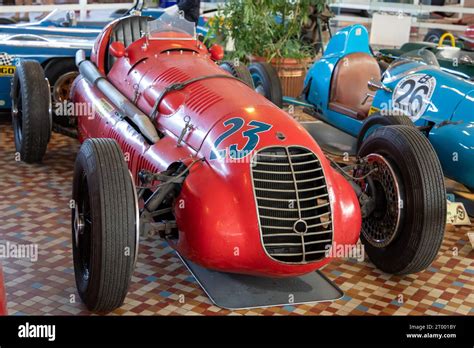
(252, 135)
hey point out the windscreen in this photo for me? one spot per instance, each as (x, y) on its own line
(171, 27)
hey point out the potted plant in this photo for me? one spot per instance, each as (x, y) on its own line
(269, 30)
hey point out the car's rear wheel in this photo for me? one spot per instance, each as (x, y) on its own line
(376, 121)
(434, 35)
(240, 71)
(404, 231)
(31, 111)
(105, 226)
(267, 83)
(61, 74)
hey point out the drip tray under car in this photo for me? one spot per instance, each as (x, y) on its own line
(237, 292)
(331, 140)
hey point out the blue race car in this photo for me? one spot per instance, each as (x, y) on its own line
(348, 90)
(66, 23)
(53, 41)
(54, 53)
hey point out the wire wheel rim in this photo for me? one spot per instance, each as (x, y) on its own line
(381, 227)
(62, 87)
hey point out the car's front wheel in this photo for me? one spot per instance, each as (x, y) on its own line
(401, 173)
(105, 226)
(31, 111)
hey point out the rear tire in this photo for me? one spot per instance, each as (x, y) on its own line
(434, 35)
(104, 234)
(61, 73)
(239, 71)
(31, 116)
(266, 82)
(377, 120)
(419, 177)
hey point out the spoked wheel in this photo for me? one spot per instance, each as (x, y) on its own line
(402, 177)
(240, 71)
(62, 87)
(105, 225)
(380, 228)
(61, 74)
(266, 82)
(31, 111)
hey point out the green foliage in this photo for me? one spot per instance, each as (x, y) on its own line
(265, 28)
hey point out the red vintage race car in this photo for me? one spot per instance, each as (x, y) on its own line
(172, 143)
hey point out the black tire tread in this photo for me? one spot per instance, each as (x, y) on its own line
(29, 80)
(240, 71)
(117, 224)
(378, 119)
(269, 74)
(423, 165)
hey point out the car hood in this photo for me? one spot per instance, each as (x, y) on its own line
(448, 93)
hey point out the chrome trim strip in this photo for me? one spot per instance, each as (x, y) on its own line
(47, 44)
(294, 209)
(321, 224)
(319, 242)
(137, 221)
(304, 190)
(291, 200)
(282, 244)
(287, 165)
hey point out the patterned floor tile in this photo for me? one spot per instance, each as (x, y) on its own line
(34, 206)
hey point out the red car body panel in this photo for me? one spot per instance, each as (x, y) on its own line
(3, 296)
(216, 211)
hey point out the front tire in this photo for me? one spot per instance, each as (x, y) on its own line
(31, 114)
(403, 237)
(104, 218)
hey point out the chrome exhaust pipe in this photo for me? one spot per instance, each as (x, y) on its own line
(90, 72)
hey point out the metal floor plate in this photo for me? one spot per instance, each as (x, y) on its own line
(236, 292)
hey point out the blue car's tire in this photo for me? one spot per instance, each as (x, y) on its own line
(104, 220)
(266, 82)
(241, 71)
(404, 231)
(31, 116)
(376, 121)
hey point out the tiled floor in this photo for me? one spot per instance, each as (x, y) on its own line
(34, 208)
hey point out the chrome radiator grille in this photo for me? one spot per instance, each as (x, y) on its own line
(293, 204)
